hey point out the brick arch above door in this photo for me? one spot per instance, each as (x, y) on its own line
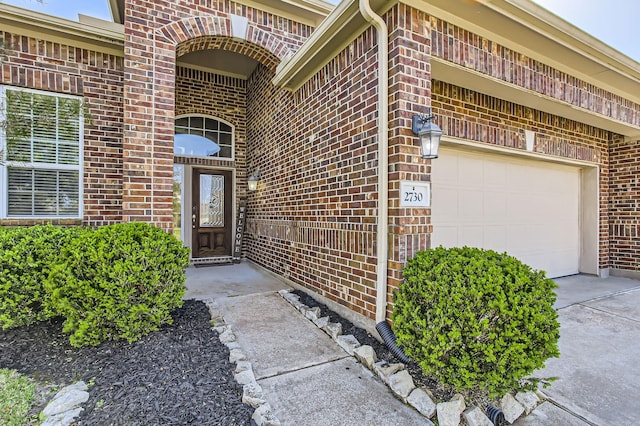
(216, 32)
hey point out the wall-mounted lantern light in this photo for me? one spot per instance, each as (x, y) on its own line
(429, 134)
(252, 181)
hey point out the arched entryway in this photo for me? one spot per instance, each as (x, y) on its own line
(212, 71)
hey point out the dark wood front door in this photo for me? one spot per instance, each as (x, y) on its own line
(211, 213)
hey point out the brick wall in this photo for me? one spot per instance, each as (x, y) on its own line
(98, 77)
(154, 32)
(313, 217)
(410, 85)
(624, 204)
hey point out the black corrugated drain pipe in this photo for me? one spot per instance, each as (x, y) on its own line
(390, 340)
(495, 415)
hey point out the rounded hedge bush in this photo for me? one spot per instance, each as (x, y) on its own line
(477, 320)
(118, 282)
(26, 258)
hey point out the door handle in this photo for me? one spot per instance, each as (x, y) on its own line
(193, 221)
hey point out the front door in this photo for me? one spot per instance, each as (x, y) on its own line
(211, 213)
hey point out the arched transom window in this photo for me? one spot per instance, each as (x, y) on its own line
(208, 137)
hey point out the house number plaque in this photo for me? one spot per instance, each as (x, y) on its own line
(415, 194)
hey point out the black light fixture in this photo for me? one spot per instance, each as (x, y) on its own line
(252, 181)
(428, 132)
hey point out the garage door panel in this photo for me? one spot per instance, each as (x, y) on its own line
(449, 169)
(495, 238)
(524, 207)
(469, 202)
(469, 170)
(495, 206)
(447, 234)
(495, 174)
(473, 234)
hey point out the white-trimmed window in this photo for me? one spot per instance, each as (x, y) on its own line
(215, 130)
(41, 144)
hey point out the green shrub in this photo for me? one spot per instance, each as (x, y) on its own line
(119, 281)
(26, 258)
(477, 320)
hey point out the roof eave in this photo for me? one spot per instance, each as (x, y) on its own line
(90, 33)
(334, 33)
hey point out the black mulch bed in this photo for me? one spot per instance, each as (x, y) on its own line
(179, 375)
(384, 354)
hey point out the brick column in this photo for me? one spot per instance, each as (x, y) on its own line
(147, 154)
(409, 93)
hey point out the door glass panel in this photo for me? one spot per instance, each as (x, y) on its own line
(178, 176)
(211, 200)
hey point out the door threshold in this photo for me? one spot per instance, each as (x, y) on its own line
(208, 261)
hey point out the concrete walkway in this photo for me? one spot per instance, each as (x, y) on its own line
(309, 380)
(306, 377)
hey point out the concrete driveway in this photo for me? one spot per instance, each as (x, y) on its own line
(599, 366)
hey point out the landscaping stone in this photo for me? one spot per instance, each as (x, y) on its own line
(349, 343)
(529, 400)
(301, 307)
(298, 305)
(67, 399)
(245, 377)
(288, 295)
(511, 408)
(233, 345)
(384, 370)
(401, 383)
(227, 336)
(421, 401)
(321, 322)
(252, 395)
(333, 329)
(366, 355)
(475, 417)
(312, 313)
(243, 366)
(263, 416)
(449, 412)
(217, 318)
(236, 355)
(62, 419)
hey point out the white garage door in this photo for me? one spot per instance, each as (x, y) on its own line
(528, 208)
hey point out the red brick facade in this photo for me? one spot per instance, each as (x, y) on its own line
(154, 33)
(56, 67)
(624, 202)
(313, 219)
